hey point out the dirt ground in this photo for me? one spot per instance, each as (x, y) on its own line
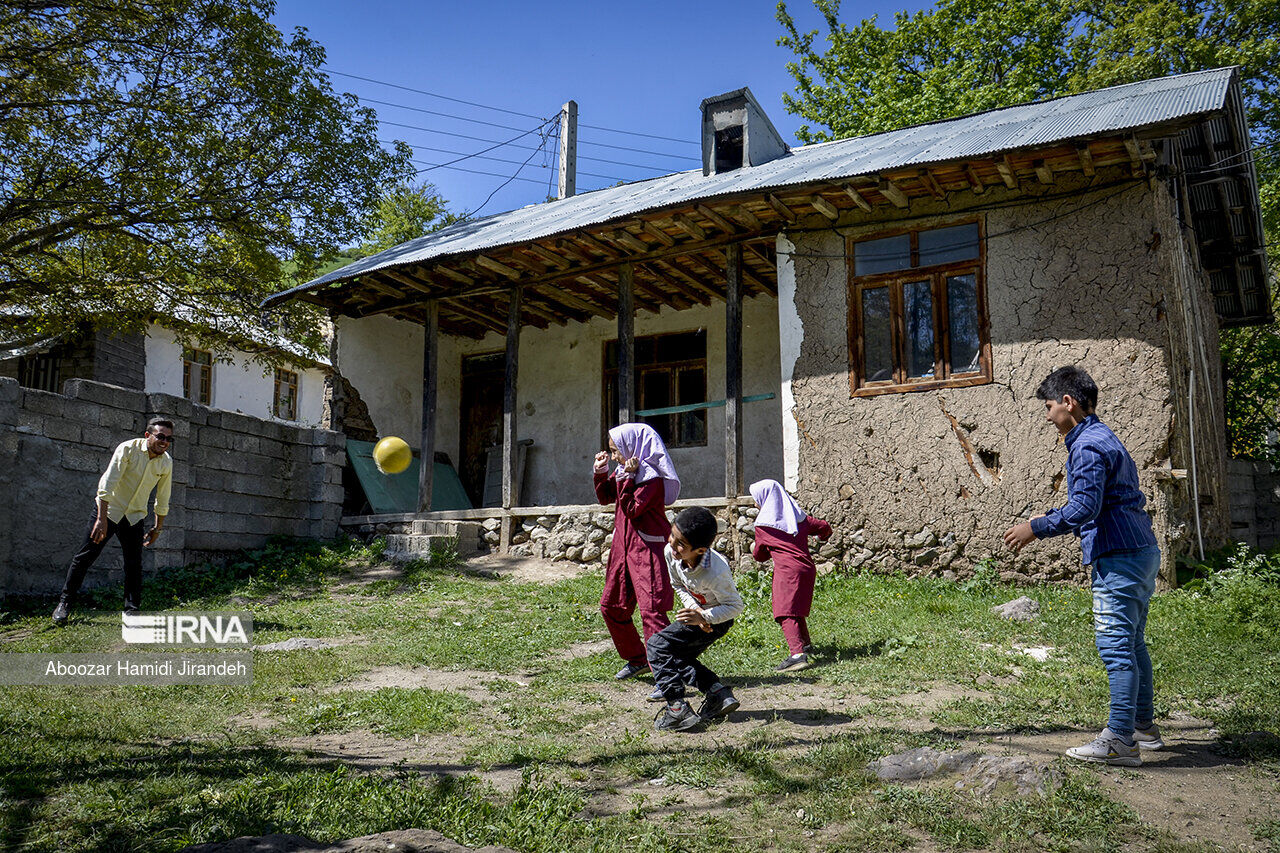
(1190, 789)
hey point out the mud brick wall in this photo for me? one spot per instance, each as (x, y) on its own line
(237, 480)
(927, 482)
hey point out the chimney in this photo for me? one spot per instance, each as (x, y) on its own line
(737, 134)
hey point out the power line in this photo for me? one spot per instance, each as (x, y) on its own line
(431, 94)
(501, 109)
(538, 129)
(514, 175)
(525, 147)
(436, 113)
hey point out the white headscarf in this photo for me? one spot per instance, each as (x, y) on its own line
(643, 442)
(777, 508)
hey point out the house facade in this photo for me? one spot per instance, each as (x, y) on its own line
(866, 320)
(228, 379)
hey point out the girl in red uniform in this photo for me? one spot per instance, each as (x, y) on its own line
(640, 487)
(782, 533)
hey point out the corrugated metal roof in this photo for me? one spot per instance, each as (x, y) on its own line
(1111, 110)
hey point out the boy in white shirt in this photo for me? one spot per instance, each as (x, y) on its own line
(703, 582)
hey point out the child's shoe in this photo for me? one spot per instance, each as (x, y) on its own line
(656, 696)
(631, 670)
(719, 703)
(1108, 748)
(1148, 738)
(677, 717)
(795, 663)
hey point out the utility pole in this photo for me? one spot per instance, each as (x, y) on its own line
(568, 149)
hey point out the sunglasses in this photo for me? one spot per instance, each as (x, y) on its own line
(167, 439)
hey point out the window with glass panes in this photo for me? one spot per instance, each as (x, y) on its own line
(285, 405)
(918, 313)
(671, 370)
(197, 375)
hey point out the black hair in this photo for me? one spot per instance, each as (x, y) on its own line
(1073, 381)
(698, 526)
(155, 422)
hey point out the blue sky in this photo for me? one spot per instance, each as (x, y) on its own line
(641, 68)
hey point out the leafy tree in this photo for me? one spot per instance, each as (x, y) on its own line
(404, 213)
(965, 56)
(179, 150)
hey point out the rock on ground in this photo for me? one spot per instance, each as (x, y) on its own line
(400, 841)
(919, 763)
(1016, 773)
(1019, 610)
(295, 643)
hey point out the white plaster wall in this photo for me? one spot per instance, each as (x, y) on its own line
(239, 384)
(382, 358)
(559, 393)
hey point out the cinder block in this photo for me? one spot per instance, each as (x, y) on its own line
(10, 390)
(84, 459)
(130, 423)
(245, 443)
(60, 429)
(108, 395)
(30, 423)
(96, 436)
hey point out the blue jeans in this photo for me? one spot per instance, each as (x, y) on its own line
(1123, 582)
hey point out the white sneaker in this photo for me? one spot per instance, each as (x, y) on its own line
(1108, 748)
(1148, 738)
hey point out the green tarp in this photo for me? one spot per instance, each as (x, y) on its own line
(399, 492)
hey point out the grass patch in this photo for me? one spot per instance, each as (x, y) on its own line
(159, 768)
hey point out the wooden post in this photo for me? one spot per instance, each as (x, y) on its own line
(733, 372)
(626, 344)
(568, 149)
(337, 402)
(426, 471)
(509, 446)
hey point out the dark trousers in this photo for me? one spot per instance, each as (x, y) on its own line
(130, 536)
(673, 655)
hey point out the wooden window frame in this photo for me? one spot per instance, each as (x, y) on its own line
(895, 281)
(289, 380)
(41, 372)
(205, 390)
(672, 368)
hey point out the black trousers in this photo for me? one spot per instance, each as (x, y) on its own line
(673, 656)
(130, 536)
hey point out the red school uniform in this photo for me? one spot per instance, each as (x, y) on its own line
(793, 568)
(637, 571)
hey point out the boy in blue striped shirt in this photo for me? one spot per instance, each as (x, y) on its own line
(1105, 509)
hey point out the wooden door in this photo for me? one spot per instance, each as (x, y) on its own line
(481, 425)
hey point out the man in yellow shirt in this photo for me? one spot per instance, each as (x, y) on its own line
(137, 466)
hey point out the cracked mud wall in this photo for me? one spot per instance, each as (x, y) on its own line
(928, 481)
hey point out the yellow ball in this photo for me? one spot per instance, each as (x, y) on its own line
(392, 455)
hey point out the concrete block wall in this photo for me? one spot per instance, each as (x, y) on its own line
(1255, 503)
(237, 480)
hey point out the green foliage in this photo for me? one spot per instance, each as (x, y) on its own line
(964, 56)
(1246, 583)
(404, 213)
(178, 152)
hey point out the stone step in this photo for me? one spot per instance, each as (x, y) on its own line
(403, 547)
(468, 533)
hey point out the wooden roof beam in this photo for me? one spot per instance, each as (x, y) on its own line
(663, 237)
(852, 192)
(668, 269)
(753, 221)
(460, 278)
(1135, 157)
(692, 279)
(720, 222)
(975, 180)
(679, 299)
(570, 248)
(550, 258)
(629, 240)
(1044, 172)
(1008, 173)
(892, 192)
(607, 251)
(1086, 159)
(931, 184)
(782, 210)
(824, 207)
(462, 309)
(401, 278)
(550, 293)
(688, 226)
(497, 266)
